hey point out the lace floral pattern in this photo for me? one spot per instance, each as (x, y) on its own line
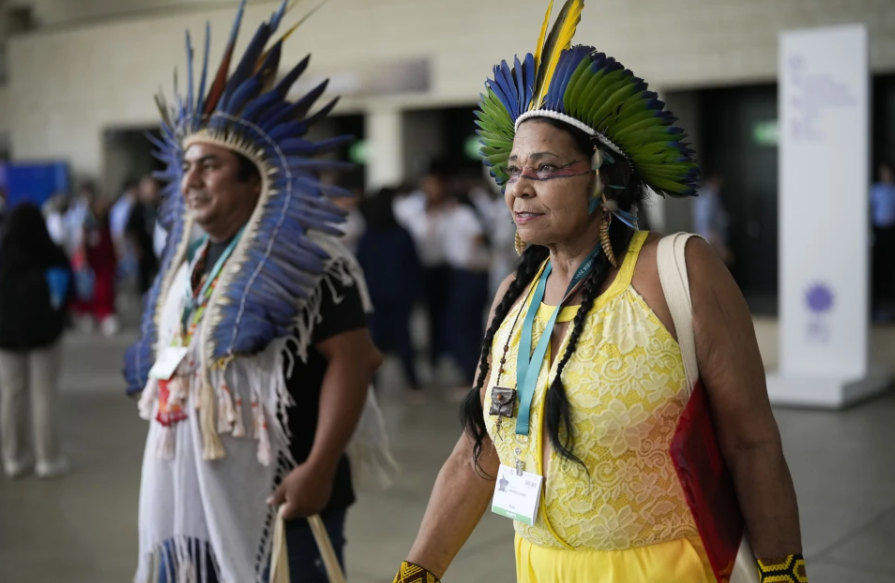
(626, 386)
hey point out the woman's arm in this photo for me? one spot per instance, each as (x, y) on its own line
(459, 499)
(731, 368)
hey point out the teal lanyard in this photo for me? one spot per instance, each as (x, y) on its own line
(528, 365)
(195, 299)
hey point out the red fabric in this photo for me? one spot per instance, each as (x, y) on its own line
(708, 484)
(99, 254)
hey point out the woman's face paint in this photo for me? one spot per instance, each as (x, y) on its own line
(550, 184)
(548, 170)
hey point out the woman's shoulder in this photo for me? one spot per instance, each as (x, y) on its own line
(699, 254)
(701, 262)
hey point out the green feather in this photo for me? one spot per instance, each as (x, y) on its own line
(613, 101)
(625, 121)
(668, 185)
(668, 171)
(593, 95)
(624, 129)
(581, 99)
(654, 135)
(577, 83)
(603, 101)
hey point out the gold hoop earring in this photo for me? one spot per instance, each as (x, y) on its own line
(605, 242)
(520, 244)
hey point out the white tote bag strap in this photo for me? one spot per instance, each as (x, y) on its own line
(672, 263)
(279, 560)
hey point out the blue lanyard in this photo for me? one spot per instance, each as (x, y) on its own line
(195, 299)
(528, 365)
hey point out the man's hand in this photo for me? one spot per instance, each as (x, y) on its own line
(304, 491)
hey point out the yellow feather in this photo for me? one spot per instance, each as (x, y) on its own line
(293, 28)
(540, 48)
(559, 40)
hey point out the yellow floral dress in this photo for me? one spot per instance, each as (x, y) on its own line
(624, 518)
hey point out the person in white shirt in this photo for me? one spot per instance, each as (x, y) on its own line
(422, 213)
(54, 211)
(354, 225)
(500, 227)
(468, 256)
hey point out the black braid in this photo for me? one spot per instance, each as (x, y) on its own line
(471, 414)
(558, 416)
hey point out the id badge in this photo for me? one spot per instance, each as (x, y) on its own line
(167, 363)
(517, 496)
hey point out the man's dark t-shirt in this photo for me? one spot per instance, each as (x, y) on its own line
(306, 380)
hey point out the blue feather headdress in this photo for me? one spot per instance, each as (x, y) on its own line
(592, 92)
(275, 265)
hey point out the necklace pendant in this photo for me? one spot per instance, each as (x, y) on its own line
(503, 402)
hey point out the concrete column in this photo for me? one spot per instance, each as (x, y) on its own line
(385, 147)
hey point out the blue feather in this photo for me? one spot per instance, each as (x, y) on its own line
(189, 73)
(249, 60)
(286, 130)
(315, 164)
(286, 82)
(519, 73)
(277, 17)
(495, 87)
(330, 144)
(201, 97)
(301, 107)
(248, 90)
(259, 105)
(322, 113)
(509, 88)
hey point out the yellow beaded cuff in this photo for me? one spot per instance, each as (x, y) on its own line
(411, 573)
(790, 569)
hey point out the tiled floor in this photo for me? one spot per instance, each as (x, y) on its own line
(82, 529)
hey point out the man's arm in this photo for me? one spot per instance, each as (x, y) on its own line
(351, 361)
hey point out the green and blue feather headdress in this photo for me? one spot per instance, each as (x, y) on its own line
(275, 265)
(592, 92)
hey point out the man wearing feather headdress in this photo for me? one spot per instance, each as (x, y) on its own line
(254, 360)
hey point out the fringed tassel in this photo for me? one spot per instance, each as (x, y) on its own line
(226, 414)
(146, 405)
(213, 448)
(239, 428)
(179, 560)
(166, 443)
(256, 427)
(261, 434)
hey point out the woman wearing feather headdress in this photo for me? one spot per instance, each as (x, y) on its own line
(254, 360)
(582, 382)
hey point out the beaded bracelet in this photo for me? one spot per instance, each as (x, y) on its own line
(789, 569)
(410, 573)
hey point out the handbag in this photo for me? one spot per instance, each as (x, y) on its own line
(695, 453)
(279, 560)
